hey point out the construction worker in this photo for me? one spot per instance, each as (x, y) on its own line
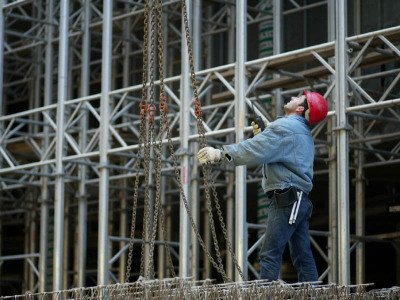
(286, 150)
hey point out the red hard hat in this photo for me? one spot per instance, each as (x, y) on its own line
(318, 107)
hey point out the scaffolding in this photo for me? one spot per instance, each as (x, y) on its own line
(69, 129)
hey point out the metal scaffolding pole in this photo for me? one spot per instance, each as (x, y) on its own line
(240, 123)
(185, 100)
(59, 200)
(342, 144)
(45, 195)
(359, 180)
(277, 48)
(83, 137)
(360, 208)
(123, 225)
(194, 147)
(333, 240)
(230, 177)
(207, 226)
(106, 61)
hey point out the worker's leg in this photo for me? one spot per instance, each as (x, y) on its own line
(299, 244)
(277, 235)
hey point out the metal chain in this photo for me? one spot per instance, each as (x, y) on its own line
(163, 114)
(142, 137)
(188, 211)
(167, 250)
(147, 144)
(142, 134)
(212, 225)
(201, 130)
(151, 113)
(146, 217)
(157, 166)
(148, 141)
(225, 232)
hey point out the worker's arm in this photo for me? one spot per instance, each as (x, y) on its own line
(263, 148)
(266, 147)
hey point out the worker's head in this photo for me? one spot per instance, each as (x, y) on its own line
(312, 106)
(296, 106)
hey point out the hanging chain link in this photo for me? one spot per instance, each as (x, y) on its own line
(150, 230)
(136, 192)
(147, 208)
(157, 167)
(142, 139)
(186, 204)
(147, 141)
(203, 143)
(163, 114)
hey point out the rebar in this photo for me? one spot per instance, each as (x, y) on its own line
(179, 288)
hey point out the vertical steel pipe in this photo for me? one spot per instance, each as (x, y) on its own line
(45, 196)
(185, 97)
(342, 144)
(194, 146)
(123, 225)
(106, 62)
(240, 121)
(59, 200)
(207, 227)
(359, 180)
(230, 189)
(333, 240)
(277, 48)
(83, 169)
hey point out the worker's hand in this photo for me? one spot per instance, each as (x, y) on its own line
(209, 155)
(256, 129)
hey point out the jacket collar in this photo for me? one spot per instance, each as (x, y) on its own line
(297, 117)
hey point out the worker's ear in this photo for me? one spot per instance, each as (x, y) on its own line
(300, 109)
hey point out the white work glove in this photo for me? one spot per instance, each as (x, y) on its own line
(256, 129)
(209, 155)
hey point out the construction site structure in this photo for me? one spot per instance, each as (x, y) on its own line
(70, 132)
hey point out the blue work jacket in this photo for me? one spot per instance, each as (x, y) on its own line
(286, 150)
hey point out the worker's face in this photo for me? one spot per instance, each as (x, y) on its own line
(295, 105)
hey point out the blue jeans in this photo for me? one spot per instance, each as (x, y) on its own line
(279, 232)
